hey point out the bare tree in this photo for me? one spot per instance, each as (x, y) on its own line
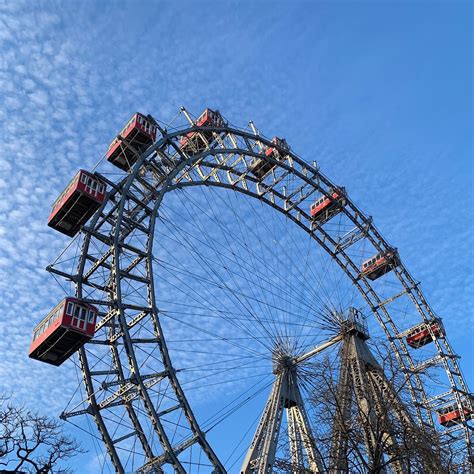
(31, 442)
(377, 429)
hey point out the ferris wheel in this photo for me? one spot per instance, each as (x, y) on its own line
(233, 310)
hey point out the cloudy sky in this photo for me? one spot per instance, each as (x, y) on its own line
(379, 93)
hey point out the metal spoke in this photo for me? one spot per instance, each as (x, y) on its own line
(249, 270)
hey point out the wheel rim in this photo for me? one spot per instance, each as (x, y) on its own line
(125, 238)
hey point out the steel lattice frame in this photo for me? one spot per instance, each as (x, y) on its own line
(123, 232)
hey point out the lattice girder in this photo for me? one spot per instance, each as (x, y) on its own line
(117, 252)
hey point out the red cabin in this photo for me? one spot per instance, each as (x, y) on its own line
(451, 415)
(325, 206)
(379, 264)
(420, 335)
(260, 167)
(193, 142)
(133, 139)
(63, 331)
(76, 204)
(280, 142)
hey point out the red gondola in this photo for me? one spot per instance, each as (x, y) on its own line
(324, 205)
(280, 142)
(379, 264)
(76, 204)
(420, 335)
(451, 415)
(260, 167)
(193, 142)
(137, 135)
(63, 331)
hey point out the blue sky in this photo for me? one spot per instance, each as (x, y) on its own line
(379, 93)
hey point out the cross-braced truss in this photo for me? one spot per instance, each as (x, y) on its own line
(285, 397)
(363, 383)
(133, 391)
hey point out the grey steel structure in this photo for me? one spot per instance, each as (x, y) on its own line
(361, 377)
(362, 386)
(115, 272)
(286, 397)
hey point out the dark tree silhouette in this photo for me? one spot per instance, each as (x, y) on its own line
(31, 442)
(377, 429)
(415, 449)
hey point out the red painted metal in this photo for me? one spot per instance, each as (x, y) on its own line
(80, 199)
(260, 167)
(451, 415)
(137, 135)
(63, 331)
(209, 118)
(280, 142)
(324, 203)
(379, 265)
(420, 335)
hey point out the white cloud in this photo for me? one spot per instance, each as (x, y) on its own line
(69, 84)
